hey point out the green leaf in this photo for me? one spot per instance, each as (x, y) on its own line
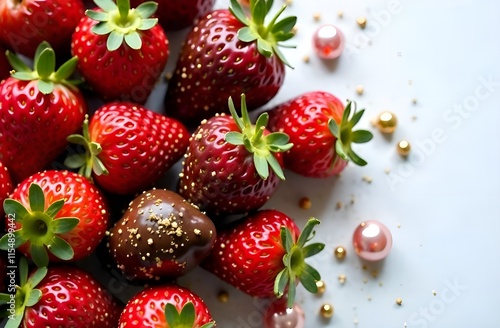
(102, 28)
(100, 16)
(17, 64)
(17, 320)
(264, 48)
(63, 225)
(292, 290)
(45, 64)
(38, 276)
(355, 158)
(307, 231)
(19, 239)
(36, 198)
(106, 5)
(98, 167)
(148, 24)
(133, 40)
(262, 121)
(234, 138)
(23, 271)
(259, 12)
(232, 110)
(66, 69)
(286, 239)
(39, 255)
(280, 282)
(285, 25)
(115, 40)
(54, 208)
(261, 166)
(340, 150)
(4, 298)
(334, 128)
(356, 117)
(15, 208)
(40, 48)
(45, 87)
(209, 325)
(312, 249)
(361, 136)
(33, 297)
(246, 34)
(237, 11)
(171, 314)
(308, 279)
(187, 315)
(280, 55)
(61, 249)
(275, 166)
(123, 8)
(75, 161)
(147, 9)
(25, 76)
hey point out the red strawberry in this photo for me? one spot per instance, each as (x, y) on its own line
(25, 24)
(322, 131)
(226, 168)
(264, 255)
(227, 54)
(4, 64)
(6, 186)
(58, 211)
(167, 306)
(60, 296)
(128, 147)
(178, 14)
(38, 110)
(160, 235)
(122, 52)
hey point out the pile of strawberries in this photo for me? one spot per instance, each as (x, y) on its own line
(64, 161)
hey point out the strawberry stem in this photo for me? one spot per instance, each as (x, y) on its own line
(185, 318)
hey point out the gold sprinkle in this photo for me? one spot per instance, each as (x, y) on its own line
(434, 293)
(321, 286)
(399, 225)
(305, 203)
(387, 171)
(361, 21)
(340, 252)
(168, 76)
(306, 59)
(369, 298)
(399, 301)
(326, 310)
(340, 14)
(150, 241)
(367, 179)
(403, 148)
(288, 2)
(374, 273)
(342, 278)
(197, 232)
(317, 17)
(223, 296)
(414, 101)
(360, 89)
(386, 122)
(339, 205)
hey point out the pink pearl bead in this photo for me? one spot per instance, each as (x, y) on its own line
(279, 316)
(328, 41)
(372, 240)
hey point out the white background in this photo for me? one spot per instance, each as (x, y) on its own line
(442, 204)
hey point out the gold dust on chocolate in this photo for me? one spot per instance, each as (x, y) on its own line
(160, 235)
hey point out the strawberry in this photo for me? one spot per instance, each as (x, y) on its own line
(160, 235)
(25, 24)
(6, 185)
(264, 255)
(177, 14)
(60, 296)
(122, 51)
(58, 211)
(4, 64)
(226, 167)
(322, 131)
(168, 306)
(128, 147)
(227, 54)
(38, 110)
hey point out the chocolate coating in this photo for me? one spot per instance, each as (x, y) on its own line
(161, 235)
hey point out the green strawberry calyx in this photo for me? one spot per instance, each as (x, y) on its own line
(40, 227)
(89, 161)
(346, 136)
(185, 318)
(44, 69)
(252, 137)
(121, 23)
(294, 262)
(26, 294)
(267, 35)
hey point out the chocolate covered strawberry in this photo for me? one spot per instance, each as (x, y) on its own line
(38, 110)
(231, 165)
(25, 24)
(228, 53)
(264, 256)
(122, 51)
(60, 296)
(322, 131)
(160, 235)
(168, 306)
(128, 147)
(59, 215)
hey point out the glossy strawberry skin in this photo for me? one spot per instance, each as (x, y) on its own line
(34, 126)
(177, 14)
(249, 256)
(305, 120)
(24, 24)
(214, 65)
(82, 200)
(138, 145)
(147, 307)
(219, 177)
(124, 74)
(6, 186)
(72, 297)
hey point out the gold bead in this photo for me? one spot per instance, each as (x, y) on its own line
(360, 89)
(387, 122)
(342, 278)
(326, 310)
(403, 148)
(340, 252)
(361, 21)
(321, 286)
(305, 203)
(223, 296)
(399, 301)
